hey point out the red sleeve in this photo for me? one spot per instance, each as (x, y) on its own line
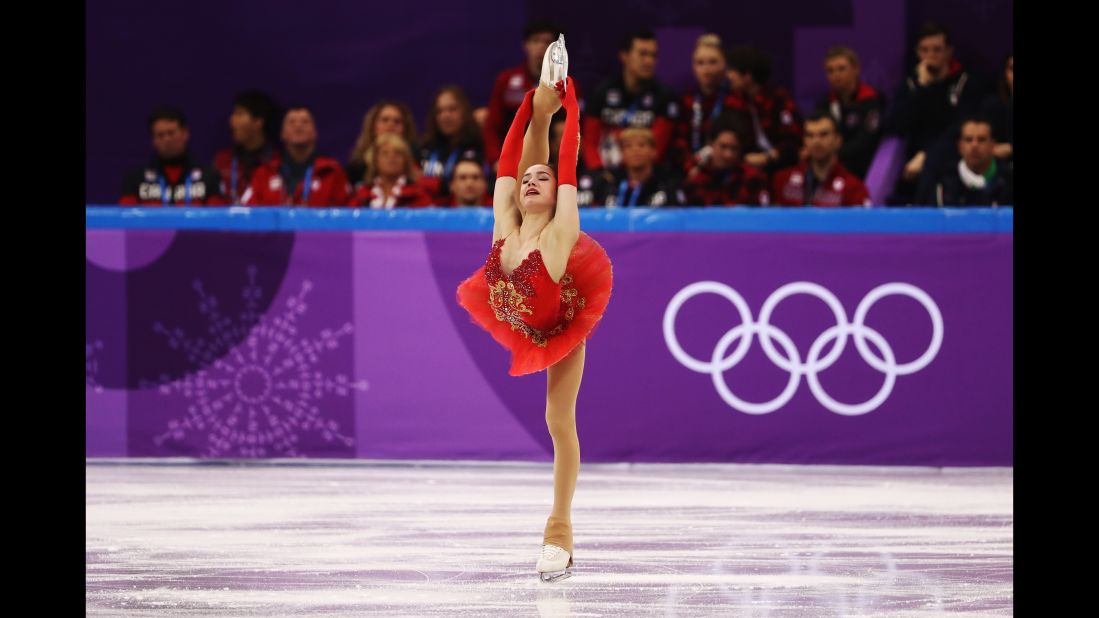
(593, 134)
(494, 122)
(255, 195)
(857, 194)
(513, 143)
(223, 161)
(359, 197)
(776, 193)
(341, 192)
(424, 198)
(431, 189)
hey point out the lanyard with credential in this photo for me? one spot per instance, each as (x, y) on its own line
(696, 119)
(618, 201)
(451, 160)
(306, 185)
(233, 181)
(164, 194)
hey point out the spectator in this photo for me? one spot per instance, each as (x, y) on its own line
(254, 124)
(391, 178)
(302, 178)
(468, 186)
(999, 108)
(769, 115)
(855, 106)
(928, 104)
(702, 104)
(171, 178)
(978, 179)
(638, 182)
(633, 98)
(451, 134)
(821, 180)
(512, 84)
(386, 116)
(723, 179)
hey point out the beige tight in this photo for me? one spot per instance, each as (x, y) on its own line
(562, 387)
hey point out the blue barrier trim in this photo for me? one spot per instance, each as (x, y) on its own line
(724, 219)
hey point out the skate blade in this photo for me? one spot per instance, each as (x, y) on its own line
(555, 576)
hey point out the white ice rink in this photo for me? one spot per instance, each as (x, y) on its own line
(461, 539)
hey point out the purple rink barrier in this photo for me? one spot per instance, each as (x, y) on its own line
(833, 346)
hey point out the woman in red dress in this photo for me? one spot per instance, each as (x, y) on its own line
(545, 284)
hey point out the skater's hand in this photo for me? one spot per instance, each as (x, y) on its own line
(566, 93)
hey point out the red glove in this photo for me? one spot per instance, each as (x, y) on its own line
(513, 143)
(570, 139)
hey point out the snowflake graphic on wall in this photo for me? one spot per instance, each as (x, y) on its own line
(260, 397)
(91, 372)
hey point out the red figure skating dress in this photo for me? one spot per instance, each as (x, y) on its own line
(538, 320)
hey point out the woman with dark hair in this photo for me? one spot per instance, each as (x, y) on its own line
(545, 284)
(451, 135)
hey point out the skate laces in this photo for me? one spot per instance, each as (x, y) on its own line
(549, 552)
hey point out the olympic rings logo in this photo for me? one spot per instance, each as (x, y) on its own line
(791, 361)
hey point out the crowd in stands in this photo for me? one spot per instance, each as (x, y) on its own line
(733, 138)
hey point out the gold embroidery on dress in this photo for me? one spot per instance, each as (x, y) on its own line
(508, 303)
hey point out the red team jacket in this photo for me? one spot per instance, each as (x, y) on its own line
(328, 186)
(841, 188)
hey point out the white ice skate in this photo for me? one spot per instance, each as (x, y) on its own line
(554, 564)
(555, 64)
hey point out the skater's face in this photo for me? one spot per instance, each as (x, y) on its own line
(538, 189)
(975, 145)
(709, 66)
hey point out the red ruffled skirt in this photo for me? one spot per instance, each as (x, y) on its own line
(591, 277)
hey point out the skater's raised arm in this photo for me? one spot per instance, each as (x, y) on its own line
(505, 209)
(566, 220)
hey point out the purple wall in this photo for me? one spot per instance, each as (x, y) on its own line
(351, 344)
(342, 57)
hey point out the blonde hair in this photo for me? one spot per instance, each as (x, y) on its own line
(708, 40)
(396, 141)
(638, 133)
(366, 136)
